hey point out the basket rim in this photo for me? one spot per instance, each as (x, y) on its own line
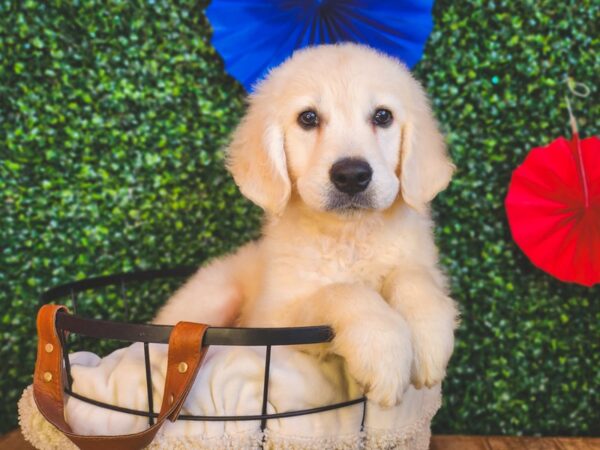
(74, 287)
(223, 336)
(159, 334)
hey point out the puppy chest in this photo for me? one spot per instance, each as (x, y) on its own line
(339, 261)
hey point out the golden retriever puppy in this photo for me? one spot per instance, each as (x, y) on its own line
(340, 149)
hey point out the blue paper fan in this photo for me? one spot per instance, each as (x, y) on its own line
(255, 35)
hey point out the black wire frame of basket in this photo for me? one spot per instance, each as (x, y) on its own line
(159, 334)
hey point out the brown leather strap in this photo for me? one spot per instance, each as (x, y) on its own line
(185, 357)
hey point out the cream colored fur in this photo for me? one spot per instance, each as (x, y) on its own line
(372, 274)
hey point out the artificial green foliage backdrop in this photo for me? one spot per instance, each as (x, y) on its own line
(112, 117)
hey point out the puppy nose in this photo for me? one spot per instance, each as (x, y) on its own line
(351, 175)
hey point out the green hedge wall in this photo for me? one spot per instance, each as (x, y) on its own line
(112, 117)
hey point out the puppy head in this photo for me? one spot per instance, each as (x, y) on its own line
(345, 128)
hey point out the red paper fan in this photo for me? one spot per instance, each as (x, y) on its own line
(553, 207)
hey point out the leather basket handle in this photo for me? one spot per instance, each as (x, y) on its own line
(184, 359)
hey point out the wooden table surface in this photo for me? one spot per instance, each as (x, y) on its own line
(15, 441)
(512, 443)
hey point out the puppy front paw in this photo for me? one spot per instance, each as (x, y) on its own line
(378, 352)
(432, 349)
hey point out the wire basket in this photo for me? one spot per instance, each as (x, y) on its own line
(68, 325)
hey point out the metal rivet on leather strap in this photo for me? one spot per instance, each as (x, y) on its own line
(49, 347)
(171, 399)
(182, 367)
(47, 377)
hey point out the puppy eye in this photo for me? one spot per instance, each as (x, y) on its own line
(308, 119)
(382, 118)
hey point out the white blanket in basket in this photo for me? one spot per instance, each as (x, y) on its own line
(230, 382)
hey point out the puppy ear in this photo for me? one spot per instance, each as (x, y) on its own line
(425, 168)
(257, 161)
